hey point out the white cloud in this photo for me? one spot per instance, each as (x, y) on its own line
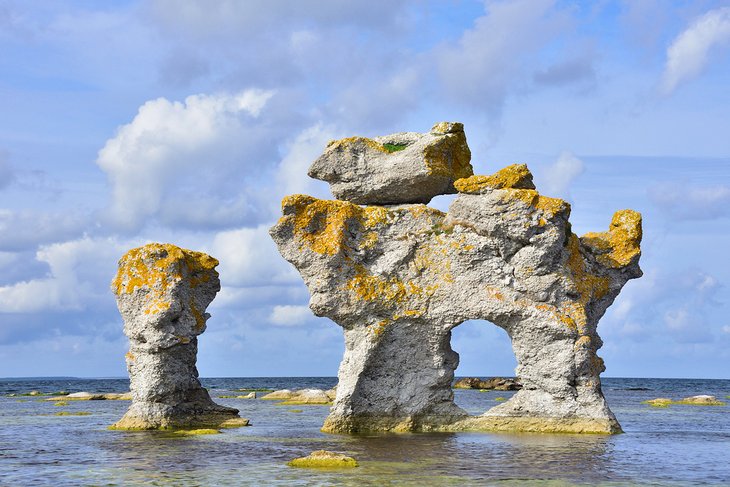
(80, 273)
(176, 160)
(292, 174)
(491, 58)
(559, 176)
(248, 257)
(689, 53)
(24, 229)
(692, 202)
(288, 315)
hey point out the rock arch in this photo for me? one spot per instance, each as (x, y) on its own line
(399, 278)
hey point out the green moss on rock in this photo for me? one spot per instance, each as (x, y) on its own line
(324, 459)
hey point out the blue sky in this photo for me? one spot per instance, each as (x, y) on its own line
(134, 121)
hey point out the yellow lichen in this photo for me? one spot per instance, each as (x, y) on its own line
(129, 356)
(620, 245)
(342, 144)
(588, 286)
(514, 176)
(322, 224)
(449, 156)
(369, 287)
(155, 267)
(549, 206)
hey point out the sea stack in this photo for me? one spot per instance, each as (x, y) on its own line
(162, 292)
(399, 278)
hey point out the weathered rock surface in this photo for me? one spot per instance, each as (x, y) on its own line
(407, 167)
(398, 279)
(162, 292)
(496, 383)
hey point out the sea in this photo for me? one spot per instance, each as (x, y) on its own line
(674, 446)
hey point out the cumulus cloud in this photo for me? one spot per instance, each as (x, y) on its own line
(560, 175)
(302, 151)
(692, 202)
(79, 276)
(23, 229)
(689, 53)
(249, 257)
(666, 305)
(288, 315)
(185, 163)
(490, 59)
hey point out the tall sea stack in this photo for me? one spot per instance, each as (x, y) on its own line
(398, 276)
(162, 292)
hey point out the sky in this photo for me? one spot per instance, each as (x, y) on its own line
(128, 122)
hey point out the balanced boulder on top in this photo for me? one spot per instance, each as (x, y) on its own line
(406, 167)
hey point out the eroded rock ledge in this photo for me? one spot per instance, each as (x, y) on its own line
(399, 278)
(162, 292)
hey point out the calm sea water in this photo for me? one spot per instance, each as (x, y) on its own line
(679, 445)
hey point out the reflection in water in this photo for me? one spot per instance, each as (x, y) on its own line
(675, 446)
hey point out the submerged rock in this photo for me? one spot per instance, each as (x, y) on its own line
(162, 292)
(324, 459)
(398, 279)
(93, 396)
(496, 383)
(406, 167)
(701, 400)
(300, 397)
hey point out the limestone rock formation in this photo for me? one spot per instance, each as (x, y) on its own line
(495, 383)
(407, 167)
(162, 292)
(398, 279)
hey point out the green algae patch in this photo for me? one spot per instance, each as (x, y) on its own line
(500, 399)
(390, 148)
(325, 460)
(255, 389)
(664, 402)
(198, 432)
(295, 411)
(60, 403)
(73, 413)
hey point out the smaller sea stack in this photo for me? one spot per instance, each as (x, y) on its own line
(162, 292)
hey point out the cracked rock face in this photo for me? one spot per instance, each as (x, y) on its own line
(407, 167)
(398, 279)
(162, 292)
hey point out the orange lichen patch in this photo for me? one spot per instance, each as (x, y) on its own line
(421, 211)
(322, 224)
(516, 176)
(129, 356)
(549, 206)
(199, 318)
(449, 156)
(495, 293)
(155, 267)
(588, 286)
(351, 142)
(369, 287)
(583, 342)
(620, 245)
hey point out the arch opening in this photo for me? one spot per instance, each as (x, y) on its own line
(485, 352)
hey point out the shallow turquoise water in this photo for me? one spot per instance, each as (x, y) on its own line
(679, 445)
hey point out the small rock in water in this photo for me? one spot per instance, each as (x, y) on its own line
(702, 400)
(324, 459)
(279, 395)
